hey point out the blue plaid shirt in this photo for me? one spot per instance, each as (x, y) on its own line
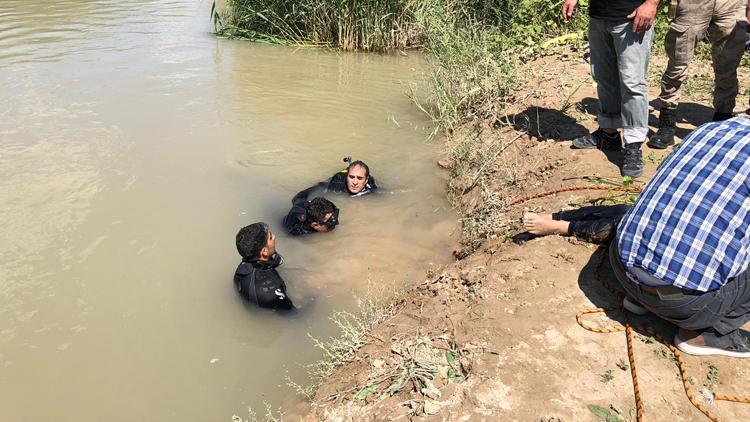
(689, 227)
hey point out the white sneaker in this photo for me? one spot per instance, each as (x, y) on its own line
(735, 345)
(632, 307)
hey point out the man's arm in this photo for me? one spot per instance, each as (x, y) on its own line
(644, 16)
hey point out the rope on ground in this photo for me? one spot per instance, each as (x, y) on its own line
(572, 189)
(628, 329)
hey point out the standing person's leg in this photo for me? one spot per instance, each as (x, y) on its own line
(604, 71)
(690, 22)
(728, 34)
(633, 52)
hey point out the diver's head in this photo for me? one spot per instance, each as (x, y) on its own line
(324, 216)
(256, 242)
(357, 176)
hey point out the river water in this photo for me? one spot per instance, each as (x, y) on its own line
(133, 146)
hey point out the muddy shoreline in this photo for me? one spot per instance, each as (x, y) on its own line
(494, 336)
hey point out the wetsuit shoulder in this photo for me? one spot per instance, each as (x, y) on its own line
(243, 280)
(338, 182)
(295, 223)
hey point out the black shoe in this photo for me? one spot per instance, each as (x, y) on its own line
(664, 137)
(735, 344)
(718, 117)
(599, 139)
(632, 160)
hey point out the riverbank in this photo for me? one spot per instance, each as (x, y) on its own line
(494, 336)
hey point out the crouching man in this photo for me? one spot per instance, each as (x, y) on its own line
(256, 278)
(682, 252)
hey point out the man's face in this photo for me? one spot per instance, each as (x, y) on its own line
(356, 179)
(270, 248)
(322, 228)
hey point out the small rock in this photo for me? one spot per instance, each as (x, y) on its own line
(446, 162)
(431, 407)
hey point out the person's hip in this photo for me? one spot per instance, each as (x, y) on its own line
(664, 291)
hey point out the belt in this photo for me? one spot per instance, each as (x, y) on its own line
(664, 292)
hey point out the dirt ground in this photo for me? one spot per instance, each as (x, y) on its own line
(494, 336)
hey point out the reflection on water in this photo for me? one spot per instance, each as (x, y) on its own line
(133, 146)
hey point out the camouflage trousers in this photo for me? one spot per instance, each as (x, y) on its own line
(726, 24)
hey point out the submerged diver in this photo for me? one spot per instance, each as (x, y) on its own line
(595, 224)
(355, 180)
(256, 278)
(319, 215)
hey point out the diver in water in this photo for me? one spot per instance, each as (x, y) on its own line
(319, 215)
(256, 278)
(355, 180)
(595, 224)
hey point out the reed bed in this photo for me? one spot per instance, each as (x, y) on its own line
(365, 25)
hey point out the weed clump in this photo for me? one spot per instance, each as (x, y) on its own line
(355, 333)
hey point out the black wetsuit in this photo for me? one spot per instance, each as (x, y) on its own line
(259, 283)
(297, 222)
(593, 224)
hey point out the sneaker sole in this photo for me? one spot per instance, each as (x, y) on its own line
(633, 308)
(574, 146)
(706, 350)
(632, 175)
(658, 146)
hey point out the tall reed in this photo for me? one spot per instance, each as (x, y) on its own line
(368, 25)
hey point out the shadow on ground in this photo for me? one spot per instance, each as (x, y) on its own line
(545, 124)
(595, 274)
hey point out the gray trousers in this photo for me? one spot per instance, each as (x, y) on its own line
(619, 65)
(723, 310)
(726, 24)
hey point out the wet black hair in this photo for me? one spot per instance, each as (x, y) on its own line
(359, 164)
(318, 209)
(251, 239)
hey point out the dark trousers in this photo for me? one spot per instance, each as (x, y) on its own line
(593, 224)
(723, 310)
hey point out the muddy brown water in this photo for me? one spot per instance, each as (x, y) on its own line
(133, 145)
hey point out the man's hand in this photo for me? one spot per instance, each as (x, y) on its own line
(644, 16)
(569, 8)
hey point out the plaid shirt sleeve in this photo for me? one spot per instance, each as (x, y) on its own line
(690, 225)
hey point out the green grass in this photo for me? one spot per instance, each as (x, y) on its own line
(368, 25)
